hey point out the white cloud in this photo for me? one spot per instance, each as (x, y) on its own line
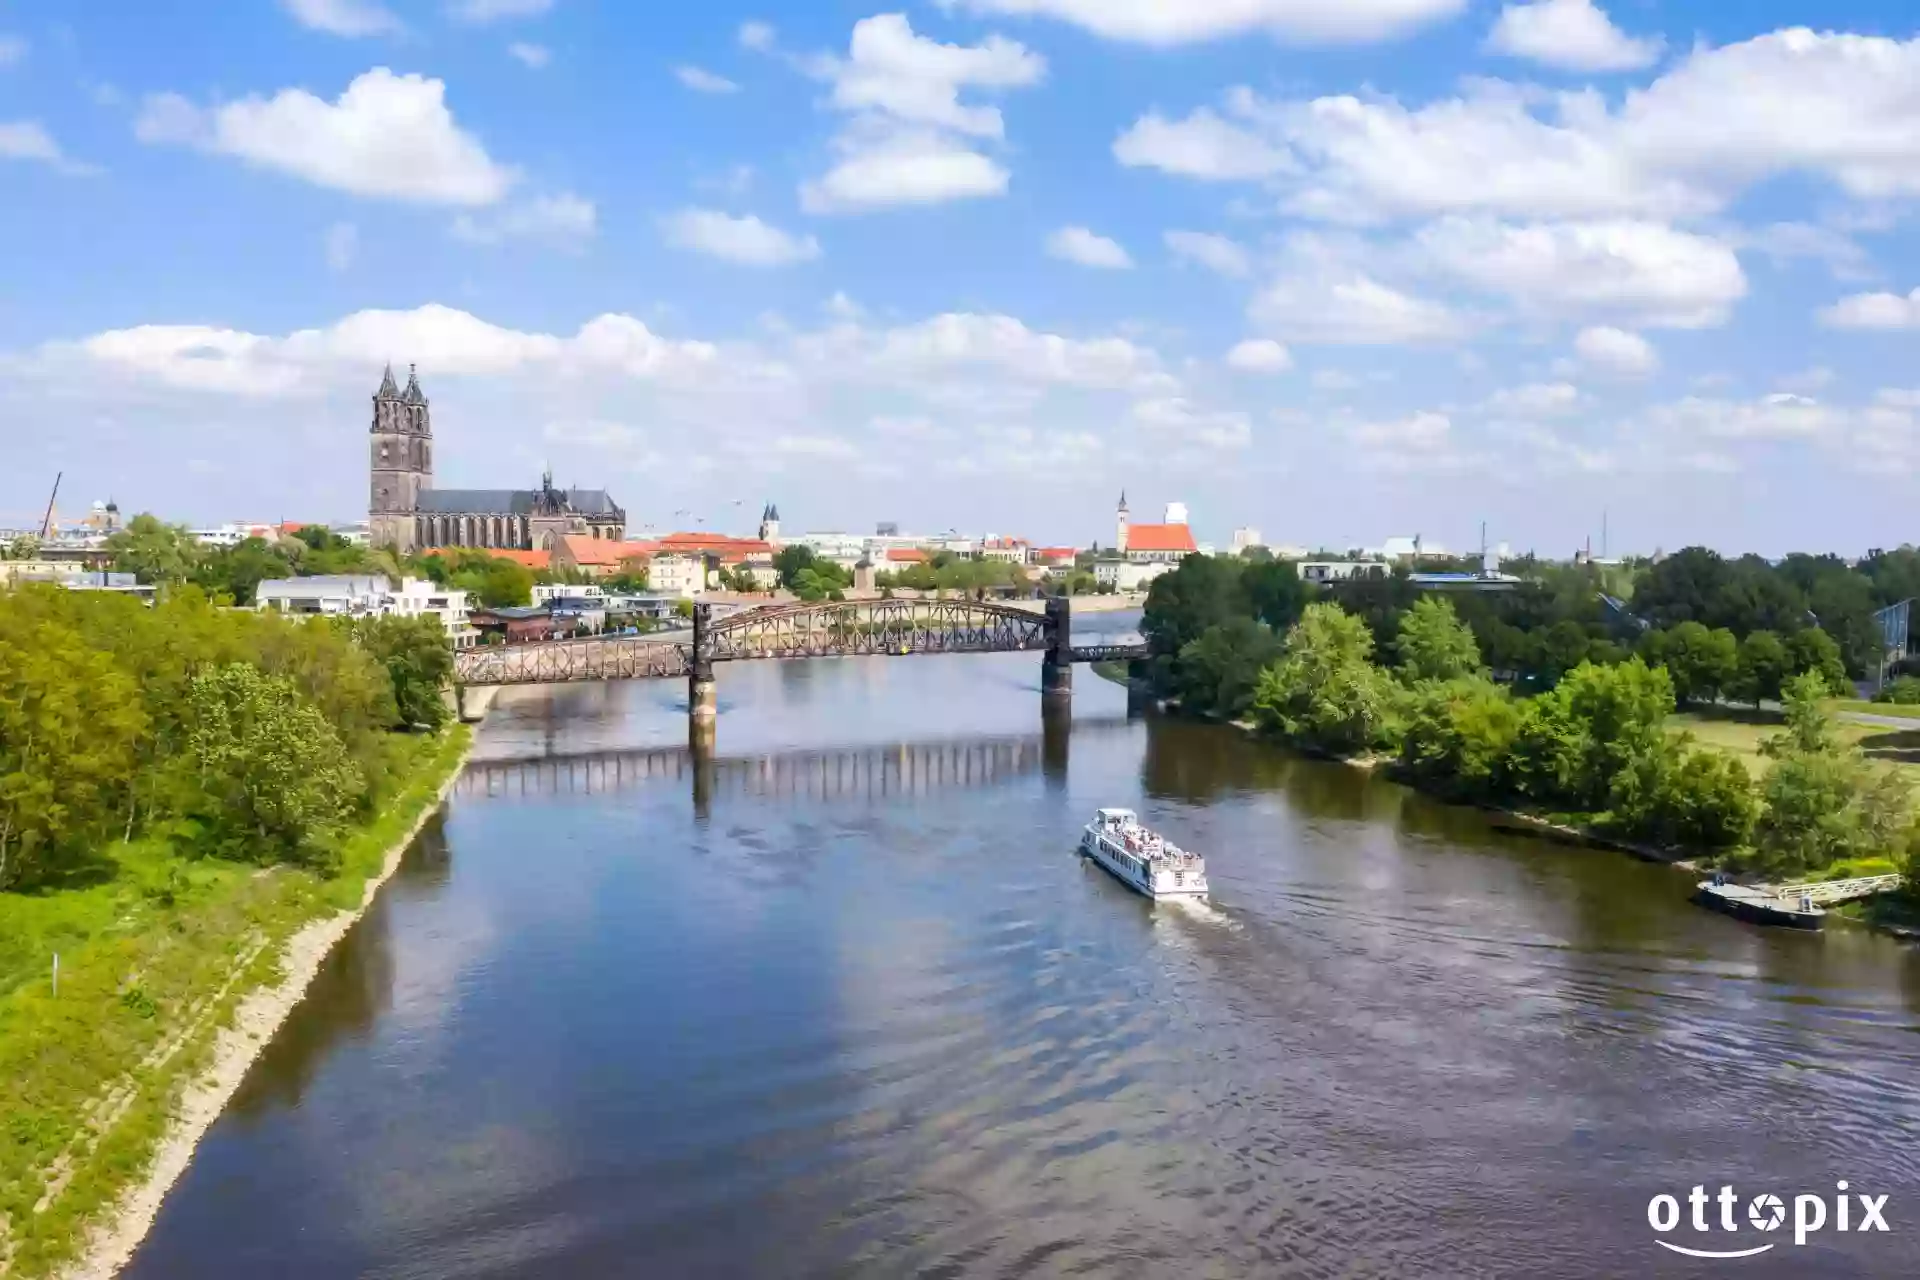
(563, 219)
(1874, 311)
(1200, 146)
(28, 140)
(1806, 381)
(1213, 428)
(911, 140)
(343, 17)
(1646, 271)
(747, 241)
(342, 244)
(905, 167)
(1535, 399)
(1081, 246)
(1334, 380)
(12, 49)
(703, 81)
(1575, 35)
(1260, 355)
(960, 341)
(1778, 416)
(1216, 253)
(758, 36)
(1161, 22)
(1833, 106)
(481, 11)
(1616, 351)
(1318, 298)
(1422, 432)
(387, 135)
(532, 55)
(1786, 241)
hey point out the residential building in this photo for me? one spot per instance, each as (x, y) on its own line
(1129, 575)
(548, 592)
(419, 598)
(1005, 550)
(679, 575)
(597, 557)
(1055, 558)
(1245, 538)
(906, 557)
(335, 595)
(1342, 570)
(571, 613)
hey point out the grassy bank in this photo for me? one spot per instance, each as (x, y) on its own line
(1740, 732)
(154, 955)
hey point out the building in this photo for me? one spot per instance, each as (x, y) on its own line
(358, 596)
(331, 594)
(574, 613)
(1006, 550)
(680, 575)
(907, 557)
(1176, 513)
(407, 513)
(598, 557)
(1166, 543)
(548, 592)
(523, 625)
(419, 598)
(1056, 559)
(1245, 538)
(887, 529)
(770, 524)
(60, 573)
(1129, 575)
(1342, 570)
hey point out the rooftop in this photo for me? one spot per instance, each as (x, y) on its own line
(1160, 537)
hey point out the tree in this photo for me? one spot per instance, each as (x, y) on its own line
(1679, 797)
(1814, 650)
(24, 547)
(1762, 668)
(1434, 644)
(277, 772)
(1575, 739)
(1199, 594)
(237, 571)
(790, 561)
(1702, 663)
(1218, 671)
(1324, 692)
(154, 552)
(1459, 737)
(417, 660)
(1273, 591)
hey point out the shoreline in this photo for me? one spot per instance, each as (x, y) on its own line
(1501, 819)
(255, 1020)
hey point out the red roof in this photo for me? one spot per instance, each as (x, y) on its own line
(908, 555)
(605, 552)
(1160, 537)
(1056, 553)
(720, 544)
(526, 559)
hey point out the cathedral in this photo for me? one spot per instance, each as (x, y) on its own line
(409, 514)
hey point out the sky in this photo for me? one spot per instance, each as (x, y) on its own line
(1335, 269)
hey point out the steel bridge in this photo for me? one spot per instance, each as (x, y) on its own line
(828, 629)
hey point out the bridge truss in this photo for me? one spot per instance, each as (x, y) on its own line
(853, 628)
(609, 658)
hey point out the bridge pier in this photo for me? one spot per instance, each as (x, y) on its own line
(1056, 669)
(703, 695)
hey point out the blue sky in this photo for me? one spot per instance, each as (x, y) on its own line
(1338, 269)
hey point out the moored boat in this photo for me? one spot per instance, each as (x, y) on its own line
(1145, 862)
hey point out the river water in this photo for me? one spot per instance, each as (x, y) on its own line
(841, 1001)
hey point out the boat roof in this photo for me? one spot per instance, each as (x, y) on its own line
(1118, 813)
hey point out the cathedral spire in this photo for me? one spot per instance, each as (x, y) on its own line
(387, 391)
(414, 395)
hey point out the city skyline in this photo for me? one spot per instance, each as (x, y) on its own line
(1336, 271)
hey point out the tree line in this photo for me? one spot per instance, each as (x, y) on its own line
(210, 731)
(1249, 641)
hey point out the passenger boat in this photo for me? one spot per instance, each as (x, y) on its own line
(1144, 862)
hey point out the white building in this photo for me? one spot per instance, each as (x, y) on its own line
(419, 598)
(679, 576)
(354, 596)
(1129, 575)
(548, 592)
(1006, 550)
(1176, 513)
(1342, 570)
(1244, 538)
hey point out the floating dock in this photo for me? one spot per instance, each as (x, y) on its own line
(1793, 906)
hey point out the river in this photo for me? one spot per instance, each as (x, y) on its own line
(841, 1001)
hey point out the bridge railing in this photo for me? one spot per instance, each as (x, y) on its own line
(1823, 891)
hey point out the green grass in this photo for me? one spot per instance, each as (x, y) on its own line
(1892, 709)
(151, 964)
(1742, 731)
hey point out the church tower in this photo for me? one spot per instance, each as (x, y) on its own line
(770, 525)
(401, 461)
(1120, 537)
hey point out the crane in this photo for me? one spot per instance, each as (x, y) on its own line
(46, 521)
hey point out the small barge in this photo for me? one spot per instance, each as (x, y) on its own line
(1143, 861)
(1796, 906)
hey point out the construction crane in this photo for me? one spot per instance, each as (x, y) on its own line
(46, 521)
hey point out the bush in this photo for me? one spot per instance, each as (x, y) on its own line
(1902, 692)
(1674, 795)
(1459, 736)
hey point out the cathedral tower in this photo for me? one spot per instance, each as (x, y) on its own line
(402, 461)
(770, 525)
(1120, 537)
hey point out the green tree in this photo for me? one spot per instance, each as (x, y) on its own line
(1763, 668)
(1814, 650)
(1575, 739)
(1434, 644)
(1273, 591)
(24, 547)
(237, 571)
(1200, 593)
(1325, 693)
(1702, 662)
(155, 552)
(280, 778)
(1673, 795)
(418, 661)
(1459, 738)
(1218, 671)
(790, 561)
